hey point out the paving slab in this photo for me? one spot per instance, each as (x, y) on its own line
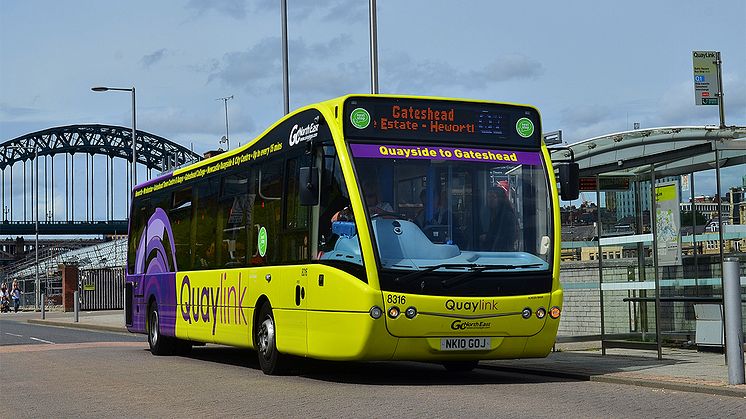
(680, 369)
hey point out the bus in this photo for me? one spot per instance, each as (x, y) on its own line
(367, 227)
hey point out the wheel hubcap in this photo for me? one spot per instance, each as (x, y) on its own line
(154, 328)
(266, 337)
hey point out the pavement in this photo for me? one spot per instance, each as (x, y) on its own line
(680, 369)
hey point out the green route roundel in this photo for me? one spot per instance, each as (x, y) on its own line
(360, 118)
(525, 127)
(262, 242)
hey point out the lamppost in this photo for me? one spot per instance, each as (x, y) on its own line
(226, 139)
(134, 125)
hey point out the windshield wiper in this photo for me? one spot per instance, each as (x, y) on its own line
(468, 276)
(406, 279)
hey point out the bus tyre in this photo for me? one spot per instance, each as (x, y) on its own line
(460, 366)
(159, 344)
(271, 361)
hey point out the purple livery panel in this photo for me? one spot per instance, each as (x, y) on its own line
(155, 274)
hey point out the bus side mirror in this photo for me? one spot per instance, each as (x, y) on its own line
(569, 177)
(309, 186)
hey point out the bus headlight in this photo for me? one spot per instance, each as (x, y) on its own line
(541, 312)
(554, 312)
(526, 313)
(376, 312)
(410, 312)
(394, 312)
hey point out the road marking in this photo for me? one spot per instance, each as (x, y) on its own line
(9, 349)
(13, 334)
(41, 340)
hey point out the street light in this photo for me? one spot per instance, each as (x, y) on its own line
(134, 125)
(226, 139)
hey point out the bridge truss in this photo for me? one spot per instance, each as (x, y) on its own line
(79, 176)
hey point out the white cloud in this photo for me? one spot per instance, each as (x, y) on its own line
(153, 58)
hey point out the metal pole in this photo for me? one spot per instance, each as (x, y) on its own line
(134, 141)
(37, 283)
(76, 305)
(733, 327)
(87, 191)
(654, 229)
(43, 306)
(72, 188)
(694, 235)
(285, 77)
(641, 257)
(51, 180)
(721, 98)
(373, 48)
(67, 195)
(599, 231)
(721, 241)
(93, 192)
(227, 138)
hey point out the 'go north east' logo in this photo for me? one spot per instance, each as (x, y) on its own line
(525, 127)
(360, 118)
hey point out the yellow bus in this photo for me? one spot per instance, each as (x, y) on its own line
(367, 227)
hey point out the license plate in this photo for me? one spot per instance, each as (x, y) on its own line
(465, 344)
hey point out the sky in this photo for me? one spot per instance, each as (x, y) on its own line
(591, 67)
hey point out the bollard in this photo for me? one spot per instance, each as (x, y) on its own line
(77, 306)
(733, 327)
(43, 306)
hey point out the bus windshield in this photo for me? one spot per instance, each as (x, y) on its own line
(451, 209)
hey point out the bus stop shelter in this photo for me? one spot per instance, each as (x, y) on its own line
(652, 272)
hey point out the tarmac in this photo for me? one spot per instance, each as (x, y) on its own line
(686, 370)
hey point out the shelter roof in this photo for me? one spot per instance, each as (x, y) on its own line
(671, 150)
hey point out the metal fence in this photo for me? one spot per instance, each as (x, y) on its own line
(101, 289)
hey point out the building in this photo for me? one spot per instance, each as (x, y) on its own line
(624, 202)
(707, 206)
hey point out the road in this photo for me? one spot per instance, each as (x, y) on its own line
(99, 374)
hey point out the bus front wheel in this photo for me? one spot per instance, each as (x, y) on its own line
(271, 360)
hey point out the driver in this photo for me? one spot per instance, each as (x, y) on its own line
(374, 205)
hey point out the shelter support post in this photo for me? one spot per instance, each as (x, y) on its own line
(733, 327)
(654, 229)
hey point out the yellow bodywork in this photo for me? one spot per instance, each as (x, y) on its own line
(332, 319)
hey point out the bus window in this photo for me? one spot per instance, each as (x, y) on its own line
(337, 231)
(139, 217)
(205, 224)
(268, 210)
(295, 239)
(181, 224)
(235, 214)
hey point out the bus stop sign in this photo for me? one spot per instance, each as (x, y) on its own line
(705, 77)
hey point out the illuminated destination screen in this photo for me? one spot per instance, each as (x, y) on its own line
(441, 121)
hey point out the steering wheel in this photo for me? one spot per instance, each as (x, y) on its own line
(385, 214)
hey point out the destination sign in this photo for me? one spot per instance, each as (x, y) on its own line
(441, 121)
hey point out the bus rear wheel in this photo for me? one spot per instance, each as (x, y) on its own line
(159, 344)
(460, 366)
(271, 360)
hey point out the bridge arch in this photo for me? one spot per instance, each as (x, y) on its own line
(77, 143)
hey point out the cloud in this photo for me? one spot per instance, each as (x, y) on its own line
(148, 60)
(236, 9)
(326, 10)
(511, 67)
(259, 68)
(13, 112)
(405, 74)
